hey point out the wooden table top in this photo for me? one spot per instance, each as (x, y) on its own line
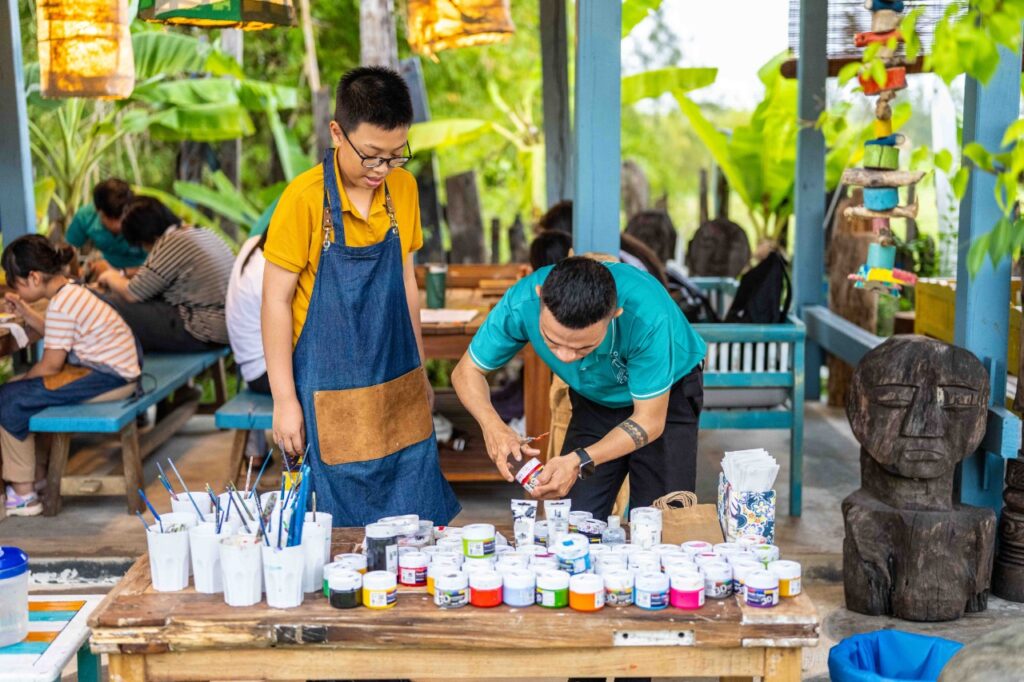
(135, 619)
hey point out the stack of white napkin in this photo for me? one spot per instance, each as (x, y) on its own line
(751, 471)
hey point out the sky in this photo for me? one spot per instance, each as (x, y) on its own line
(737, 36)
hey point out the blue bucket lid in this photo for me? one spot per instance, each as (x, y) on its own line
(13, 562)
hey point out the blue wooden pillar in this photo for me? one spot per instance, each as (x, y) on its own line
(809, 212)
(17, 199)
(982, 303)
(597, 130)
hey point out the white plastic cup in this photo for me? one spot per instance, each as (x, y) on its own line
(186, 518)
(241, 570)
(229, 527)
(168, 558)
(265, 499)
(326, 521)
(284, 575)
(204, 547)
(232, 516)
(313, 535)
(182, 504)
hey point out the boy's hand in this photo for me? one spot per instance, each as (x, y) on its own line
(14, 304)
(289, 427)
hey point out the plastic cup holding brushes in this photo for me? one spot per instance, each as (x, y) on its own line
(168, 545)
(186, 502)
(283, 553)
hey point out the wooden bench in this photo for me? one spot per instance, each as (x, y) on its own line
(247, 411)
(169, 371)
(754, 378)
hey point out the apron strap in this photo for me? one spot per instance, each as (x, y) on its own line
(333, 216)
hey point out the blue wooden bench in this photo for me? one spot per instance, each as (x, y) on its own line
(163, 373)
(247, 411)
(754, 378)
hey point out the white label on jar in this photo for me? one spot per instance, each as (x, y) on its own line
(794, 587)
(651, 600)
(479, 548)
(599, 599)
(391, 558)
(412, 575)
(716, 589)
(647, 535)
(619, 597)
(381, 598)
(547, 597)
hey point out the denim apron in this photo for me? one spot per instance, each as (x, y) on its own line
(361, 384)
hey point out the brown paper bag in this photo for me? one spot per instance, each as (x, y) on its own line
(683, 519)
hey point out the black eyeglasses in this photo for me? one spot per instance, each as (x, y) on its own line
(376, 161)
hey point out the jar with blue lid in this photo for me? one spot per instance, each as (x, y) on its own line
(13, 595)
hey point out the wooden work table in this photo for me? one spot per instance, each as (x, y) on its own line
(188, 636)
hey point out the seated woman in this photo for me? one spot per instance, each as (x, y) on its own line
(89, 353)
(175, 303)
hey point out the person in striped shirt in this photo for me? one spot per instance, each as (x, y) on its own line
(175, 302)
(89, 354)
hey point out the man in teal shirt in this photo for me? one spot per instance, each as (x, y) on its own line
(633, 366)
(100, 223)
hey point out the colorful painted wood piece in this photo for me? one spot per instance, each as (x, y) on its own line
(885, 20)
(877, 156)
(57, 632)
(877, 5)
(868, 37)
(895, 79)
(868, 177)
(881, 198)
(882, 127)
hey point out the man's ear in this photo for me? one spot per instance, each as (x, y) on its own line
(537, 289)
(618, 312)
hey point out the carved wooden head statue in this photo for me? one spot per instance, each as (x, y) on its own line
(918, 406)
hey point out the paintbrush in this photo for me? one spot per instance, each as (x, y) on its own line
(232, 488)
(151, 510)
(266, 461)
(184, 487)
(248, 477)
(531, 439)
(262, 533)
(216, 507)
(163, 479)
(141, 518)
(238, 505)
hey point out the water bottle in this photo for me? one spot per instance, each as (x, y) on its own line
(614, 534)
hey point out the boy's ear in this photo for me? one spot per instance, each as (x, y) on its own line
(336, 135)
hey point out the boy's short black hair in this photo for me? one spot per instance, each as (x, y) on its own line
(558, 217)
(579, 292)
(111, 196)
(549, 247)
(145, 220)
(372, 94)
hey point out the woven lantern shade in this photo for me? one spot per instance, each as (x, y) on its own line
(248, 15)
(85, 48)
(436, 25)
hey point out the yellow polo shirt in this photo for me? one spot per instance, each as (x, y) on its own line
(296, 234)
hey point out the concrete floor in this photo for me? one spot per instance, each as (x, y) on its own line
(93, 540)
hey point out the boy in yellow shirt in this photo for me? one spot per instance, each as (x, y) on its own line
(340, 316)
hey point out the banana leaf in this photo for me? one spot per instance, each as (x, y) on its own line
(203, 123)
(657, 82)
(442, 133)
(229, 204)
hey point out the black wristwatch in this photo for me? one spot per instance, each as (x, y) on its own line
(587, 465)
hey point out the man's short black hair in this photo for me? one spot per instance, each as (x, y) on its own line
(579, 292)
(372, 94)
(549, 247)
(111, 196)
(558, 217)
(145, 220)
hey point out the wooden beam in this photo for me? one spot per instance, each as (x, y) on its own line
(377, 43)
(554, 49)
(17, 200)
(982, 323)
(597, 132)
(809, 211)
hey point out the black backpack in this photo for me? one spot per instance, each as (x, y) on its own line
(759, 298)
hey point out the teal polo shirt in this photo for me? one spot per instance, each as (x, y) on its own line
(86, 226)
(647, 349)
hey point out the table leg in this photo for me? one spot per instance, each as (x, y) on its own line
(124, 668)
(782, 665)
(88, 665)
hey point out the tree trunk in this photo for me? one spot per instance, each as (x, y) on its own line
(377, 43)
(705, 214)
(320, 96)
(229, 153)
(464, 220)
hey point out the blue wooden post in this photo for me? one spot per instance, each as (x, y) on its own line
(982, 302)
(597, 129)
(809, 212)
(17, 199)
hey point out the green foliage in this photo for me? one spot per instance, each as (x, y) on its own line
(635, 11)
(969, 34)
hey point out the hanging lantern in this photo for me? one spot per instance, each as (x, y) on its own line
(436, 25)
(248, 15)
(85, 48)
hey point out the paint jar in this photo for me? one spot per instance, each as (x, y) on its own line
(381, 548)
(344, 589)
(644, 562)
(597, 551)
(478, 541)
(447, 544)
(761, 589)
(749, 541)
(609, 563)
(586, 592)
(540, 533)
(544, 562)
(354, 562)
(532, 550)
(717, 579)
(283, 575)
(380, 590)
(485, 589)
(765, 553)
(329, 569)
(573, 552)
(473, 565)
(706, 558)
(412, 569)
(592, 529)
(645, 526)
(442, 563)
(788, 573)
(651, 591)
(726, 548)
(500, 549)
(518, 588)
(552, 589)
(241, 565)
(741, 568)
(513, 560)
(676, 560)
(451, 590)
(618, 588)
(686, 590)
(422, 537)
(404, 524)
(626, 549)
(447, 532)
(575, 517)
(695, 547)
(665, 548)
(528, 473)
